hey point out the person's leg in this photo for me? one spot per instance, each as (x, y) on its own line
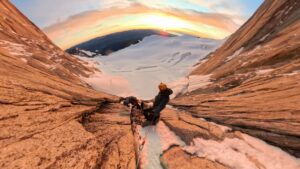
(156, 119)
(148, 115)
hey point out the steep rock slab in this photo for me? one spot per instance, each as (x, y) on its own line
(233, 149)
(112, 128)
(42, 100)
(186, 160)
(22, 41)
(274, 21)
(254, 78)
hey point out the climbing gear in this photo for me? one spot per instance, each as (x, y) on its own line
(162, 86)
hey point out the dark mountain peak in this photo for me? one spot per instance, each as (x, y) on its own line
(113, 42)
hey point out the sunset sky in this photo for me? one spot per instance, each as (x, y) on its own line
(70, 22)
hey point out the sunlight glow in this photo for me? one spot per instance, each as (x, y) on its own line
(75, 21)
(164, 22)
(73, 33)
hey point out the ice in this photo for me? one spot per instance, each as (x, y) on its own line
(158, 139)
(152, 149)
(244, 153)
(156, 59)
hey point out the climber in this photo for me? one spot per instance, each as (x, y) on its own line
(160, 102)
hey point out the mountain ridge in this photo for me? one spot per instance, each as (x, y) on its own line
(253, 82)
(107, 44)
(51, 118)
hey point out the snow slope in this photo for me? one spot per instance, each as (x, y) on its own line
(235, 150)
(157, 139)
(155, 59)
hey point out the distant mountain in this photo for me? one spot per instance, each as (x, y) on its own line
(113, 42)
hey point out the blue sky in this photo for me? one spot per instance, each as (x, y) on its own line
(68, 22)
(48, 12)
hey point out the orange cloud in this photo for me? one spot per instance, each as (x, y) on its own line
(88, 25)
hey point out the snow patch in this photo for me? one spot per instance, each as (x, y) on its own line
(24, 39)
(264, 71)
(24, 60)
(116, 85)
(265, 37)
(157, 139)
(225, 129)
(168, 138)
(50, 67)
(189, 84)
(156, 59)
(293, 73)
(14, 48)
(244, 64)
(180, 86)
(88, 53)
(236, 53)
(203, 61)
(244, 153)
(255, 50)
(198, 81)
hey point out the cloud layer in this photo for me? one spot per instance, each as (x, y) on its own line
(70, 22)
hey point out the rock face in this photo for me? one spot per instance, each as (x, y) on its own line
(46, 112)
(50, 118)
(254, 78)
(187, 160)
(181, 140)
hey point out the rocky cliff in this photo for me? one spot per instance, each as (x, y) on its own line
(253, 81)
(49, 118)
